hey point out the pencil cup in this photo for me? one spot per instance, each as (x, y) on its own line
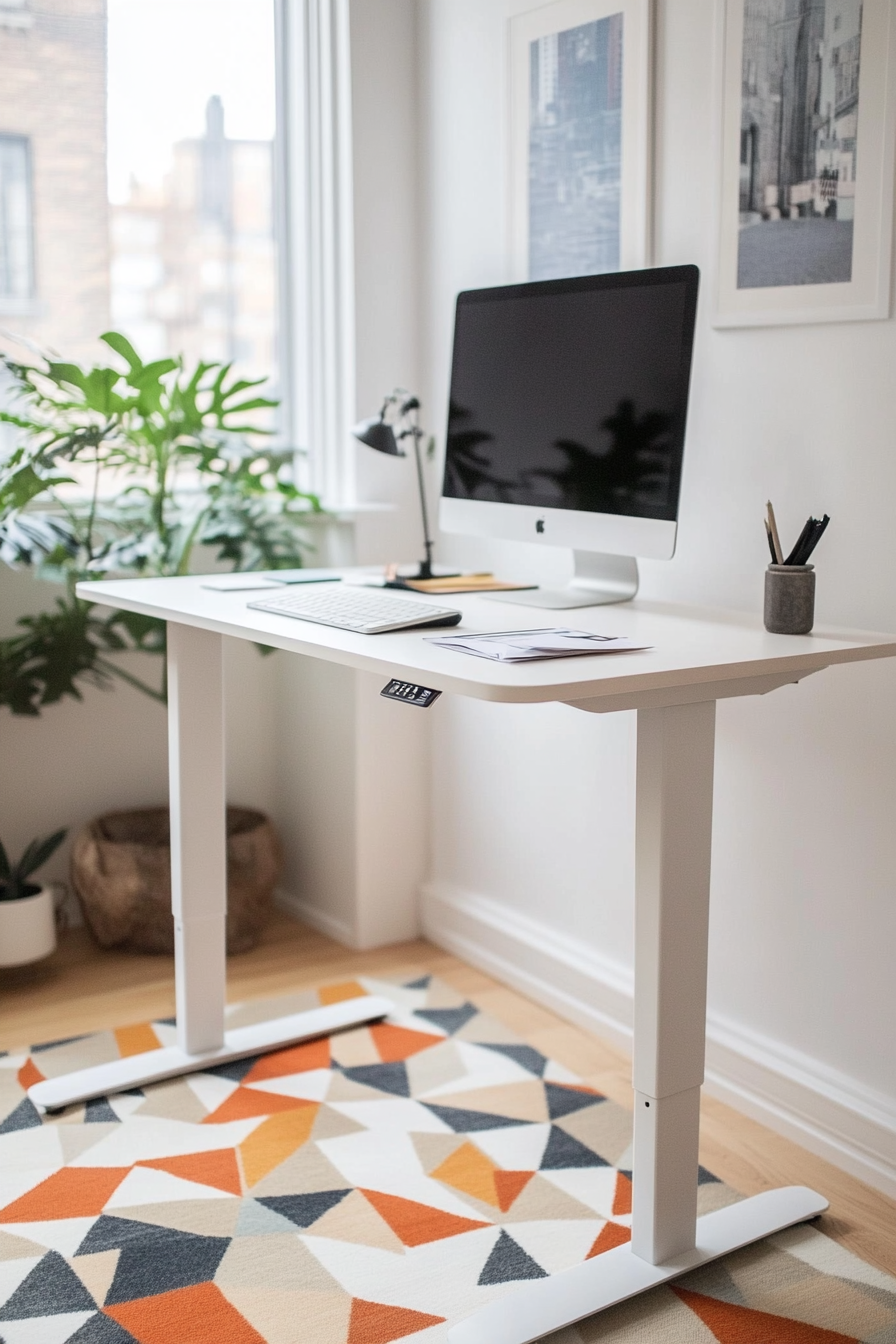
(789, 599)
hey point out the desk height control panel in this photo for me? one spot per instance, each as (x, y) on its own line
(409, 694)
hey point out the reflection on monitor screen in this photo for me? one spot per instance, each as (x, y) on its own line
(567, 410)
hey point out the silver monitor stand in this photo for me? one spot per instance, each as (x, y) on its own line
(597, 580)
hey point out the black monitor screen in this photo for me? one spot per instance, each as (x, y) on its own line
(572, 394)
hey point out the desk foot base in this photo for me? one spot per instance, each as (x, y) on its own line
(544, 1305)
(170, 1062)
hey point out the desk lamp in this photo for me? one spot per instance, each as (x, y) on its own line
(399, 419)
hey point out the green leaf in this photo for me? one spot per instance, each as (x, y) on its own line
(256, 403)
(98, 394)
(122, 346)
(66, 373)
(38, 852)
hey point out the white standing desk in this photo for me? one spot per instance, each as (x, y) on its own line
(698, 657)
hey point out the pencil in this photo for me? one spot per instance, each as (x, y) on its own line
(771, 544)
(773, 528)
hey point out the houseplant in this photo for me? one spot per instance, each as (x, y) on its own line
(27, 917)
(128, 469)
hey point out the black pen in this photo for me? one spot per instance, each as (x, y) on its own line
(802, 539)
(817, 533)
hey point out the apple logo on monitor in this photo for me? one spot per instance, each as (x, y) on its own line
(539, 526)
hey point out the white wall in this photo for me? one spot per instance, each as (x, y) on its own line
(532, 843)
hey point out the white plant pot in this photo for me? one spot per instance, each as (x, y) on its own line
(27, 928)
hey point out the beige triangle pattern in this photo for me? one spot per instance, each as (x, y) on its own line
(174, 1100)
(281, 1316)
(273, 1260)
(18, 1248)
(351, 1049)
(78, 1140)
(714, 1195)
(305, 1171)
(332, 1124)
(346, 1089)
(517, 1101)
(606, 1129)
(433, 1149)
(96, 1272)
(206, 1217)
(539, 1199)
(435, 1067)
(354, 1219)
(483, 1029)
(98, 1049)
(263, 1010)
(656, 1316)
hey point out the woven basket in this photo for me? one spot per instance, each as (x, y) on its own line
(121, 873)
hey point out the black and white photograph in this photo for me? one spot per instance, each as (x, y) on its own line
(575, 150)
(799, 123)
(580, 138)
(807, 162)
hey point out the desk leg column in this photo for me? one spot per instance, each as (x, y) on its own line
(198, 834)
(673, 842)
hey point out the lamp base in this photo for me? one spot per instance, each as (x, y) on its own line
(425, 571)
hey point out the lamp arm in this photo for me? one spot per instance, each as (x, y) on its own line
(416, 431)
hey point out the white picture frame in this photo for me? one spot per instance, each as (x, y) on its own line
(560, 18)
(751, 265)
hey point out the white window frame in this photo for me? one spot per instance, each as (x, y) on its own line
(316, 242)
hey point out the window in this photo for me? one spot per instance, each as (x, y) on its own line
(193, 264)
(148, 134)
(144, 130)
(16, 260)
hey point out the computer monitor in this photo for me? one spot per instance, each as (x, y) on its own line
(566, 421)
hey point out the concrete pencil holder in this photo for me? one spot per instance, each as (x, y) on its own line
(789, 599)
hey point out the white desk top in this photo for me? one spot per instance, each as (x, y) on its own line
(692, 646)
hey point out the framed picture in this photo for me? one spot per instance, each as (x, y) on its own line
(580, 138)
(806, 211)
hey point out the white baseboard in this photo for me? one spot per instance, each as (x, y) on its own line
(334, 928)
(827, 1112)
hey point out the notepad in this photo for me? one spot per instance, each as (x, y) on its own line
(525, 646)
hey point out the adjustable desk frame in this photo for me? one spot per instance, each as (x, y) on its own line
(675, 701)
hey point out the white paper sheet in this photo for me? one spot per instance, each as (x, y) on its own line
(523, 646)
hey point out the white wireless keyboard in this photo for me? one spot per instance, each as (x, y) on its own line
(367, 611)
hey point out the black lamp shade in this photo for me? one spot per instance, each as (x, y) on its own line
(375, 433)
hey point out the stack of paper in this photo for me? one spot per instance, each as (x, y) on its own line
(523, 646)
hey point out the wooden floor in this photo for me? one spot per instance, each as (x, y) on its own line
(82, 988)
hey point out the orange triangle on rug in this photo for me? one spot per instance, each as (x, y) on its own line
(610, 1236)
(349, 989)
(509, 1184)
(138, 1039)
(247, 1102)
(294, 1059)
(396, 1043)
(378, 1323)
(732, 1324)
(622, 1199)
(275, 1139)
(73, 1192)
(416, 1224)
(217, 1168)
(199, 1314)
(29, 1074)
(469, 1170)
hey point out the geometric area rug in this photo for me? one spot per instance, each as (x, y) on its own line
(377, 1185)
